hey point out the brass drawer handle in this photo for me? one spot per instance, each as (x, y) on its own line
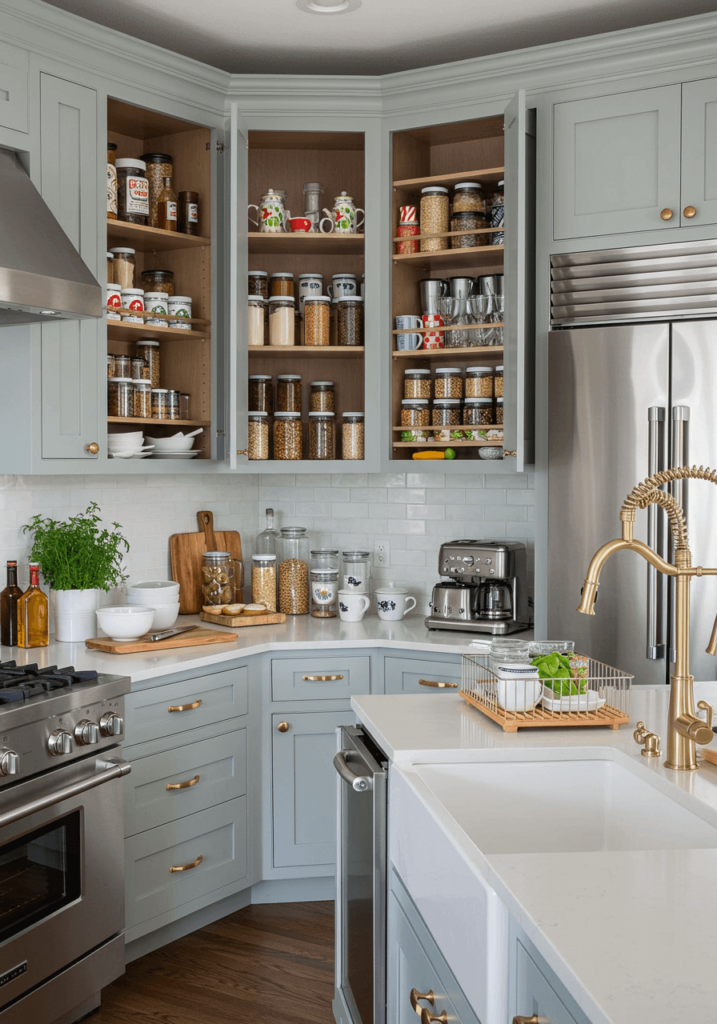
(320, 679)
(427, 1017)
(183, 785)
(416, 995)
(186, 867)
(438, 686)
(535, 1019)
(184, 707)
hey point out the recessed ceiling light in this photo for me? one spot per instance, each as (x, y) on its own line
(327, 6)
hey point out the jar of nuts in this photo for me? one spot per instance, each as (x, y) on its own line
(446, 412)
(259, 283)
(142, 399)
(322, 435)
(478, 412)
(323, 396)
(464, 222)
(263, 580)
(415, 413)
(294, 547)
(352, 436)
(350, 320)
(317, 317)
(479, 382)
(218, 574)
(324, 593)
(499, 410)
(160, 404)
(148, 350)
(288, 392)
(417, 384)
(498, 382)
(468, 196)
(449, 383)
(287, 435)
(261, 393)
(258, 435)
(120, 397)
(434, 217)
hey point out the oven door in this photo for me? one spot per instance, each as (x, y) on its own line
(61, 870)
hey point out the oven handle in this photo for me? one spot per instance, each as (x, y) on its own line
(115, 769)
(361, 783)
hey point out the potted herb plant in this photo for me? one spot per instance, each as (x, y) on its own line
(79, 558)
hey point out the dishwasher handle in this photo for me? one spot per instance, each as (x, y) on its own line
(361, 783)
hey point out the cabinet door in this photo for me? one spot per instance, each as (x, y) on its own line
(235, 277)
(617, 163)
(13, 98)
(535, 996)
(410, 675)
(699, 151)
(70, 185)
(304, 787)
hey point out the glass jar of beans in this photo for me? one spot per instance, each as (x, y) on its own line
(417, 384)
(142, 399)
(258, 435)
(446, 412)
(415, 412)
(498, 382)
(468, 197)
(322, 435)
(261, 393)
(323, 396)
(294, 545)
(287, 435)
(478, 412)
(350, 320)
(479, 382)
(434, 217)
(499, 410)
(259, 283)
(449, 383)
(148, 350)
(352, 436)
(317, 317)
(288, 392)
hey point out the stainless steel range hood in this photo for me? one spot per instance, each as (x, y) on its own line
(42, 276)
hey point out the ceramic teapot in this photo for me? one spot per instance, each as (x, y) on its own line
(343, 219)
(271, 213)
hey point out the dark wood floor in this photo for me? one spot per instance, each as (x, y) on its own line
(265, 964)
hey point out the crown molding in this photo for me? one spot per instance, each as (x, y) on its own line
(356, 95)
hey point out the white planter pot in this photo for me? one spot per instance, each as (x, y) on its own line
(74, 614)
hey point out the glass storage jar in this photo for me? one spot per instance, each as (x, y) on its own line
(261, 393)
(111, 183)
(288, 392)
(259, 283)
(111, 366)
(139, 368)
(123, 366)
(184, 407)
(446, 412)
(317, 318)
(417, 384)
(513, 653)
(352, 436)
(287, 435)
(257, 441)
(325, 558)
(110, 268)
(415, 412)
(498, 382)
(478, 412)
(355, 571)
(468, 197)
(324, 593)
(172, 405)
(157, 303)
(133, 300)
(282, 283)
(120, 397)
(160, 407)
(142, 399)
(323, 396)
(293, 557)
(479, 382)
(159, 167)
(311, 286)
(322, 435)
(281, 321)
(350, 320)
(188, 212)
(448, 383)
(158, 281)
(263, 580)
(497, 213)
(257, 319)
(123, 265)
(468, 221)
(434, 217)
(132, 190)
(148, 349)
(218, 578)
(499, 410)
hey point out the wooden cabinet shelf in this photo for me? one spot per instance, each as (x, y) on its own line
(145, 239)
(121, 331)
(300, 351)
(484, 351)
(264, 243)
(488, 174)
(158, 423)
(448, 327)
(489, 443)
(477, 257)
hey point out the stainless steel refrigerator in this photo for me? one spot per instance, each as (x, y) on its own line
(626, 401)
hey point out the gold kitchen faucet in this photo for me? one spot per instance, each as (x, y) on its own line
(684, 727)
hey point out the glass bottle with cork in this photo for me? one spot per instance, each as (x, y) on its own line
(33, 618)
(8, 607)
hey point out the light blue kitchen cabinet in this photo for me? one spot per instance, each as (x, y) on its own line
(13, 98)
(535, 993)
(414, 675)
(617, 163)
(699, 152)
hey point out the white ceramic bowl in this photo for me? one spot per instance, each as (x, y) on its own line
(165, 614)
(178, 443)
(153, 592)
(134, 436)
(125, 622)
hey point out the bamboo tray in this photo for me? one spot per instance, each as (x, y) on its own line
(537, 718)
(271, 618)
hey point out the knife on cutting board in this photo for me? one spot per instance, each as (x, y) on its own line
(165, 634)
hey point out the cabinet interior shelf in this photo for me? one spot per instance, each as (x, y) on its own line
(145, 421)
(488, 174)
(446, 353)
(146, 239)
(489, 443)
(120, 331)
(461, 426)
(454, 259)
(264, 243)
(450, 234)
(448, 327)
(292, 351)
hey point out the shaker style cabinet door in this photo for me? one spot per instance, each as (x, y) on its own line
(617, 163)
(70, 185)
(699, 153)
(13, 98)
(535, 996)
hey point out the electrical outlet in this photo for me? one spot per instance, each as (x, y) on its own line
(382, 554)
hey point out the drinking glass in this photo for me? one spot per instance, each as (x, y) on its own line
(480, 308)
(496, 315)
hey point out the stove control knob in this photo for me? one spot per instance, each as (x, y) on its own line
(111, 724)
(87, 733)
(60, 742)
(468, 560)
(9, 763)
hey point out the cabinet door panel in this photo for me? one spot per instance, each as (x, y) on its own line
(304, 787)
(410, 675)
(699, 151)
(617, 163)
(69, 185)
(535, 996)
(13, 98)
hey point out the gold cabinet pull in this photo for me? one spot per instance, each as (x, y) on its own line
(283, 727)
(242, 451)
(184, 707)
(427, 1017)
(320, 679)
(186, 867)
(664, 215)
(416, 995)
(535, 1019)
(92, 448)
(183, 785)
(689, 212)
(507, 454)
(436, 685)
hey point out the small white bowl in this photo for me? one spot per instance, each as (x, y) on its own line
(153, 592)
(178, 443)
(165, 614)
(135, 437)
(125, 622)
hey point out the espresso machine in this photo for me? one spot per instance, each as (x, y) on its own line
(483, 588)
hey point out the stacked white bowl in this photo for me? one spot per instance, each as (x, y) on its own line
(127, 446)
(162, 595)
(179, 446)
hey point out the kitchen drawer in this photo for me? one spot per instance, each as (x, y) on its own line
(406, 675)
(319, 678)
(13, 98)
(217, 835)
(204, 700)
(534, 993)
(218, 765)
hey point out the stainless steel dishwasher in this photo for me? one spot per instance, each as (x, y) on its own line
(360, 880)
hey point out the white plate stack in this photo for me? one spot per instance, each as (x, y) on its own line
(128, 446)
(178, 446)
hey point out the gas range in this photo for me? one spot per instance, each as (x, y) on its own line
(52, 716)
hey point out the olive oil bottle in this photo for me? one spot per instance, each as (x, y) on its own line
(9, 598)
(33, 613)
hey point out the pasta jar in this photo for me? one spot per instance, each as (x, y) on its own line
(281, 320)
(111, 182)
(478, 412)
(156, 302)
(160, 406)
(324, 593)
(464, 222)
(263, 580)
(479, 382)
(258, 439)
(172, 405)
(132, 190)
(133, 299)
(352, 436)
(497, 213)
(218, 577)
(317, 317)
(159, 167)
(350, 320)
(446, 412)
(148, 349)
(449, 382)
(261, 393)
(114, 301)
(287, 436)
(123, 264)
(322, 435)
(468, 197)
(259, 283)
(434, 217)
(288, 392)
(188, 212)
(323, 396)
(158, 281)
(499, 410)
(142, 399)
(281, 284)
(257, 318)
(356, 571)
(293, 547)
(120, 397)
(181, 306)
(498, 382)
(417, 384)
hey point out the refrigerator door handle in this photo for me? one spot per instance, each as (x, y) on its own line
(678, 488)
(655, 538)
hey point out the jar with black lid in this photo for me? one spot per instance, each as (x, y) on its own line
(468, 220)
(188, 212)
(288, 392)
(159, 167)
(132, 190)
(261, 393)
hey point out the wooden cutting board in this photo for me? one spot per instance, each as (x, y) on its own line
(244, 620)
(198, 636)
(186, 551)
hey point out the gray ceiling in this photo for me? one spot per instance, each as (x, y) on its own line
(382, 36)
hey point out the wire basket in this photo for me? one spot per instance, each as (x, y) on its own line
(600, 697)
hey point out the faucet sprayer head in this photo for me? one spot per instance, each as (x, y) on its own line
(588, 598)
(711, 647)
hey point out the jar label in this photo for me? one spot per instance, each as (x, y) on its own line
(157, 307)
(114, 299)
(192, 213)
(171, 211)
(111, 188)
(137, 196)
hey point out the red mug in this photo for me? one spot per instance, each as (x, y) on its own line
(300, 224)
(433, 338)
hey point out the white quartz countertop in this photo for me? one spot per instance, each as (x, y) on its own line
(631, 934)
(299, 632)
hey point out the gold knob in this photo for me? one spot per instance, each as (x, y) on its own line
(92, 448)
(427, 1017)
(704, 706)
(666, 214)
(689, 212)
(416, 995)
(283, 727)
(649, 739)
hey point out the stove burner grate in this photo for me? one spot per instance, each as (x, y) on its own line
(20, 682)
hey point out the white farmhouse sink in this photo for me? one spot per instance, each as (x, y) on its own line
(562, 807)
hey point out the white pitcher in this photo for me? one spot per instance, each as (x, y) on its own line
(271, 213)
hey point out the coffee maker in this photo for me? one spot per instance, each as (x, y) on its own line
(484, 588)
